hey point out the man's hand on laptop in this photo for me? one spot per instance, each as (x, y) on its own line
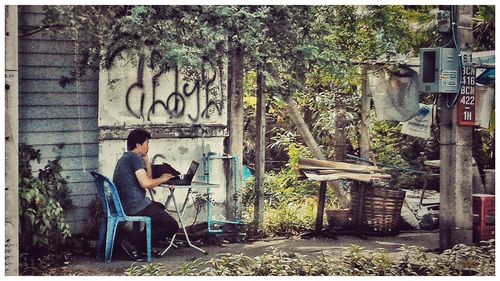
(166, 177)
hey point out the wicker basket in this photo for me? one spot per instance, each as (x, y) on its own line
(381, 209)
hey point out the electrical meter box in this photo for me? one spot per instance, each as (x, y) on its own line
(438, 70)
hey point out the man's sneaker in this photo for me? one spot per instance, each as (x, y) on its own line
(129, 251)
(144, 253)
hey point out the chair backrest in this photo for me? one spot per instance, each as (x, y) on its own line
(106, 189)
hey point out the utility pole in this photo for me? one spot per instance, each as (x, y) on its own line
(11, 143)
(455, 181)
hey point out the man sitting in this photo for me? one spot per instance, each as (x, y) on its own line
(132, 176)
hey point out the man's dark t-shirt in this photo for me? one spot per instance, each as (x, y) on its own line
(132, 195)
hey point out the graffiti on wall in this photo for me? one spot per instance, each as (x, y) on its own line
(202, 94)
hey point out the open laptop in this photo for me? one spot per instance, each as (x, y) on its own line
(188, 177)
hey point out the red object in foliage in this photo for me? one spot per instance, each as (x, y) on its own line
(483, 211)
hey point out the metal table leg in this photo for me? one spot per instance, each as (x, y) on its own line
(180, 214)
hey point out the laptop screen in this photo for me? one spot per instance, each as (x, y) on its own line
(192, 168)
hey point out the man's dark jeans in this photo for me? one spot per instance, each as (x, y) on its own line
(162, 224)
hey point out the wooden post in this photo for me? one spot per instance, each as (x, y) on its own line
(234, 144)
(11, 143)
(260, 148)
(455, 212)
(364, 133)
(321, 207)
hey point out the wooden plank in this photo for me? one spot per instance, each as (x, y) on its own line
(82, 201)
(57, 37)
(31, 18)
(61, 99)
(61, 137)
(82, 188)
(75, 163)
(307, 163)
(329, 170)
(53, 73)
(51, 151)
(65, 60)
(78, 226)
(69, 164)
(345, 176)
(46, 46)
(31, 9)
(78, 215)
(37, 86)
(58, 125)
(36, 9)
(77, 176)
(57, 112)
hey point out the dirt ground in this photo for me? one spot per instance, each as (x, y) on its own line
(313, 247)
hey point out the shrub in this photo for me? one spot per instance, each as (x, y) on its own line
(290, 204)
(42, 201)
(356, 261)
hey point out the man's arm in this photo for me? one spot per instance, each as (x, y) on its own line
(147, 182)
(147, 162)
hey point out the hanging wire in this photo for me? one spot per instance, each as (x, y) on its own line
(439, 37)
(435, 119)
(457, 48)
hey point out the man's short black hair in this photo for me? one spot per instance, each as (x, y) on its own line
(137, 136)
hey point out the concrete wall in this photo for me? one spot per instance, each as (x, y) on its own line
(86, 123)
(58, 121)
(186, 119)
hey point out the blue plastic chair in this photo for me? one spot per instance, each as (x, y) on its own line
(113, 212)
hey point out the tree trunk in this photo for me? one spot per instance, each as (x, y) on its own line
(364, 133)
(260, 148)
(340, 142)
(234, 143)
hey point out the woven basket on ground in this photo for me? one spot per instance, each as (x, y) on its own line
(381, 209)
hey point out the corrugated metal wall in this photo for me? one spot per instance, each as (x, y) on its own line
(58, 121)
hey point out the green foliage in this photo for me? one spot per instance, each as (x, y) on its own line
(397, 150)
(355, 261)
(385, 140)
(484, 28)
(150, 269)
(461, 260)
(42, 201)
(290, 204)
